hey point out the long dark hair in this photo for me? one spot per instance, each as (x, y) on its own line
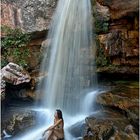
(59, 114)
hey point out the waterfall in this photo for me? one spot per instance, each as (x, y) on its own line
(69, 61)
(71, 67)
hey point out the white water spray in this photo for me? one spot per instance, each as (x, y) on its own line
(71, 66)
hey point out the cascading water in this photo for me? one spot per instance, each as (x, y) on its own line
(71, 67)
(71, 64)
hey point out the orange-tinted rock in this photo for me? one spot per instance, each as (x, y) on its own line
(136, 23)
(121, 47)
(120, 44)
(14, 74)
(123, 98)
(120, 8)
(10, 15)
(133, 34)
(130, 62)
(113, 100)
(116, 61)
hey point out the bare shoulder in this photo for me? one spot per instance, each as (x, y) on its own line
(60, 120)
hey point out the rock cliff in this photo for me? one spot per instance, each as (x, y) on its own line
(116, 26)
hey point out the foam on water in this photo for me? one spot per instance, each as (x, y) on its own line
(36, 133)
(45, 117)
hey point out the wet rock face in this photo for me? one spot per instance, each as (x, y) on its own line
(18, 122)
(30, 16)
(116, 24)
(120, 8)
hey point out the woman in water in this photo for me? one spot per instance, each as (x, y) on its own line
(56, 131)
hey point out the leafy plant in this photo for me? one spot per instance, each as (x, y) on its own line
(14, 46)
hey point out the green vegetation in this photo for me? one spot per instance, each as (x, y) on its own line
(101, 59)
(101, 26)
(101, 23)
(14, 46)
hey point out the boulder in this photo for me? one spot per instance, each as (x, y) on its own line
(101, 129)
(127, 134)
(123, 98)
(77, 130)
(109, 125)
(13, 74)
(17, 122)
(109, 99)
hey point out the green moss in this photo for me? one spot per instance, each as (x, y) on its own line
(14, 45)
(3, 62)
(101, 26)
